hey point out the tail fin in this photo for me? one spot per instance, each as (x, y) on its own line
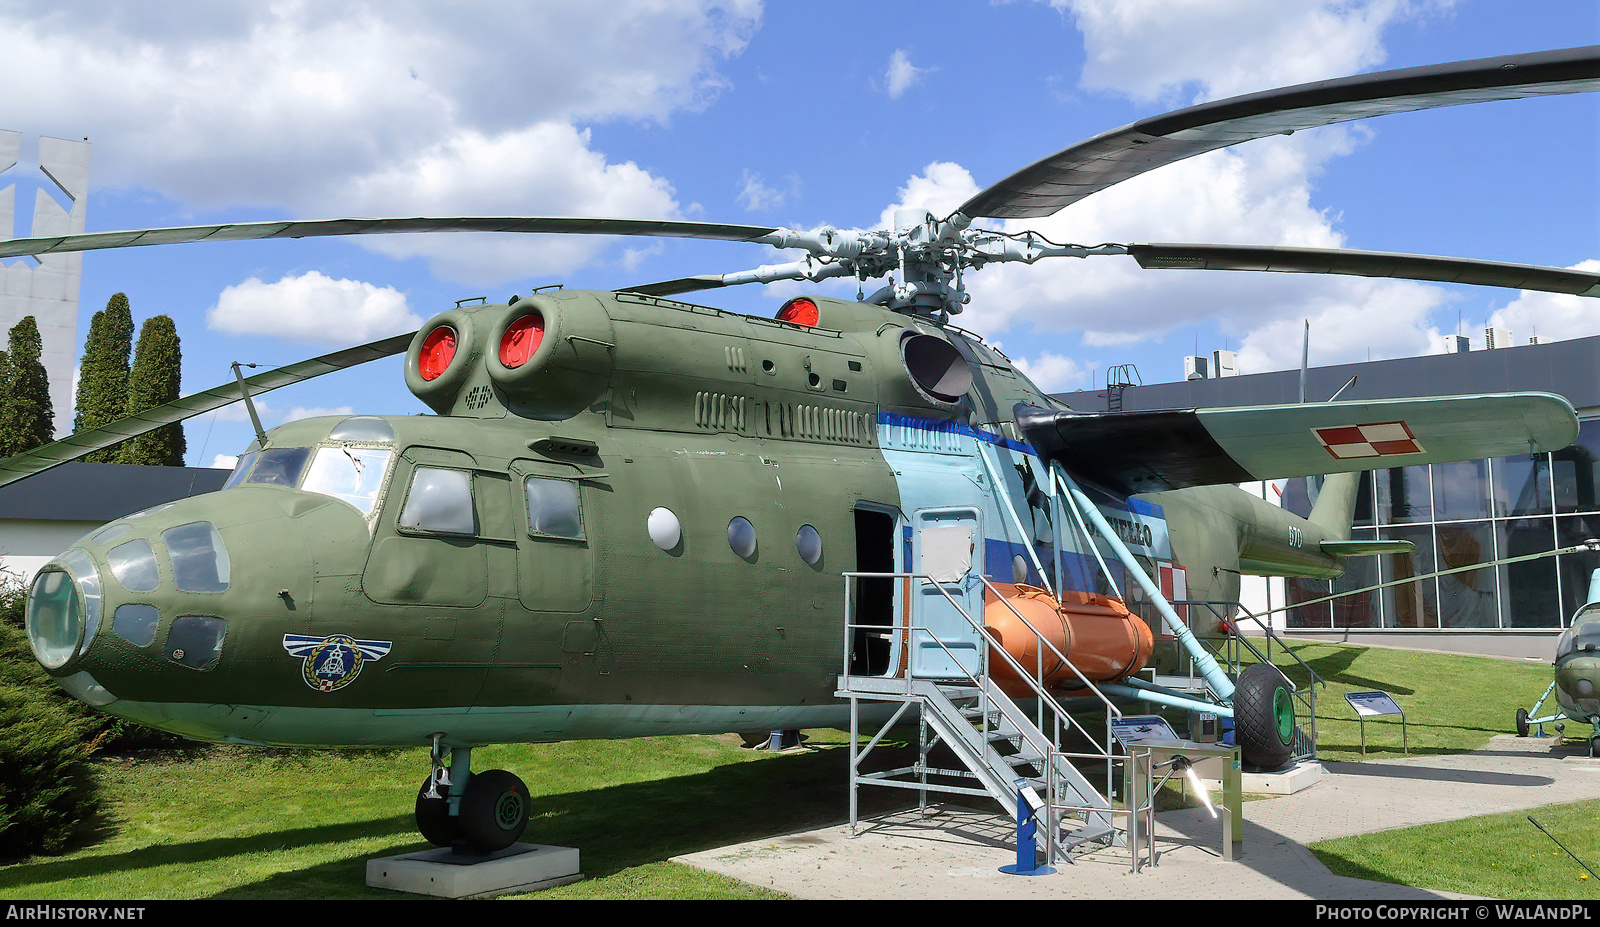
(1335, 507)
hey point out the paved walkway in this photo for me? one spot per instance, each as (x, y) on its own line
(956, 853)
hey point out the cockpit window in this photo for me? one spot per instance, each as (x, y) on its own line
(279, 466)
(240, 469)
(350, 474)
(199, 559)
(440, 501)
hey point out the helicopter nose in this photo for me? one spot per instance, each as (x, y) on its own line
(76, 597)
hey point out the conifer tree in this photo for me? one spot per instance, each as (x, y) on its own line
(27, 419)
(103, 374)
(153, 380)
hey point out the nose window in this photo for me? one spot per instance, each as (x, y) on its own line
(135, 624)
(195, 641)
(134, 565)
(199, 561)
(54, 623)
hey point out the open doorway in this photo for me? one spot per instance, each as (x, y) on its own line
(874, 597)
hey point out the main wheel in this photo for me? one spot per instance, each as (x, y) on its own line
(433, 817)
(1263, 717)
(1522, 722)
(494, 810)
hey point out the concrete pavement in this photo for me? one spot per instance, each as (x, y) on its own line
(956, 852)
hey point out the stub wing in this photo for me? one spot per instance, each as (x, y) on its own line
(1135, 452)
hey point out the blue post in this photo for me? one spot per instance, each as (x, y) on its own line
(1027, 828)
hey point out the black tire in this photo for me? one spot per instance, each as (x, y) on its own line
(494, 810)
(433, 817)
(1522, 722)
(1263, 718)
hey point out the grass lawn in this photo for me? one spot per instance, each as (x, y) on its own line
(239, 823)
(236, 823)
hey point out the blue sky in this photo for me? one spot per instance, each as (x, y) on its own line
(797, 115)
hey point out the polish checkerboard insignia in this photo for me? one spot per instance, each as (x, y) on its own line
(335, 661)
(1375, 439)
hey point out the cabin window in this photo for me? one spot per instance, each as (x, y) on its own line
(195, 641)
(134, 565)
(135, 624)
(553, 507)
(808, 544)
(349, 474)
(199, 559)
(279, 466)
(742, 537)
(440, 501)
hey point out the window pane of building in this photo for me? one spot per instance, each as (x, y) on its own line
(1576, 569)
(1573, 471)
(1413, 604)
(1461, 490)
(1467, 598)
(1308, 616)
(1529, 598)
(1522, 485)
(1404, 496)
(1363, 609)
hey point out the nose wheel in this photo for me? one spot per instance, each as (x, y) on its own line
(491, 808)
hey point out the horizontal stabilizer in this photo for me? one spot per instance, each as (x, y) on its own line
(1136, 452)
(1365, 548)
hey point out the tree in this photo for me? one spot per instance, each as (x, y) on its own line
(103, 374)
(153, 380)
(27, 419)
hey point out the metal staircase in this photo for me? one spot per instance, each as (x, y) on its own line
(1003, 750)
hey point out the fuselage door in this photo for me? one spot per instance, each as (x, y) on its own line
(555, 563)
(945, 548)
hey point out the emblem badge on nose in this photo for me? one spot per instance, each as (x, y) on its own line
(335, 661)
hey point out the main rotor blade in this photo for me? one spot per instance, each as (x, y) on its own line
(1073, 173)
(1365, 264)
(73, 446)
(674, 287)
(255, 231)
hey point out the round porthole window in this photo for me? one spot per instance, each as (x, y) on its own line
(742, 537)
(664, 528)
(809, 544)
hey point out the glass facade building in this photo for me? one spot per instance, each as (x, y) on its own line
(1458, 514)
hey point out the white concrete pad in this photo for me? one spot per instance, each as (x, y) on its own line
(443, 873)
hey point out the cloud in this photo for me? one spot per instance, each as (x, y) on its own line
(757, 196)
(351, 108)
(1054, 373)
(312, 308)
(902, 74)
(1256, 193)
(1551, 316)
(1157, 49)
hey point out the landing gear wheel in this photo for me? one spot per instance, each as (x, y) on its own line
(494, 810)
(1522, 722)
(433, 817)
(1263, 717)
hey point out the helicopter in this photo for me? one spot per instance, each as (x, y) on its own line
(1576, 669)
(629, 514)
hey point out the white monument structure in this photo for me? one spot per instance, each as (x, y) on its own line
(56, 172)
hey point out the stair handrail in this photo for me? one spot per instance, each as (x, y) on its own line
(1035, 685)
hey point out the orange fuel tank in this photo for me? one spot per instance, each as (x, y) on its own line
(1095, 632)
